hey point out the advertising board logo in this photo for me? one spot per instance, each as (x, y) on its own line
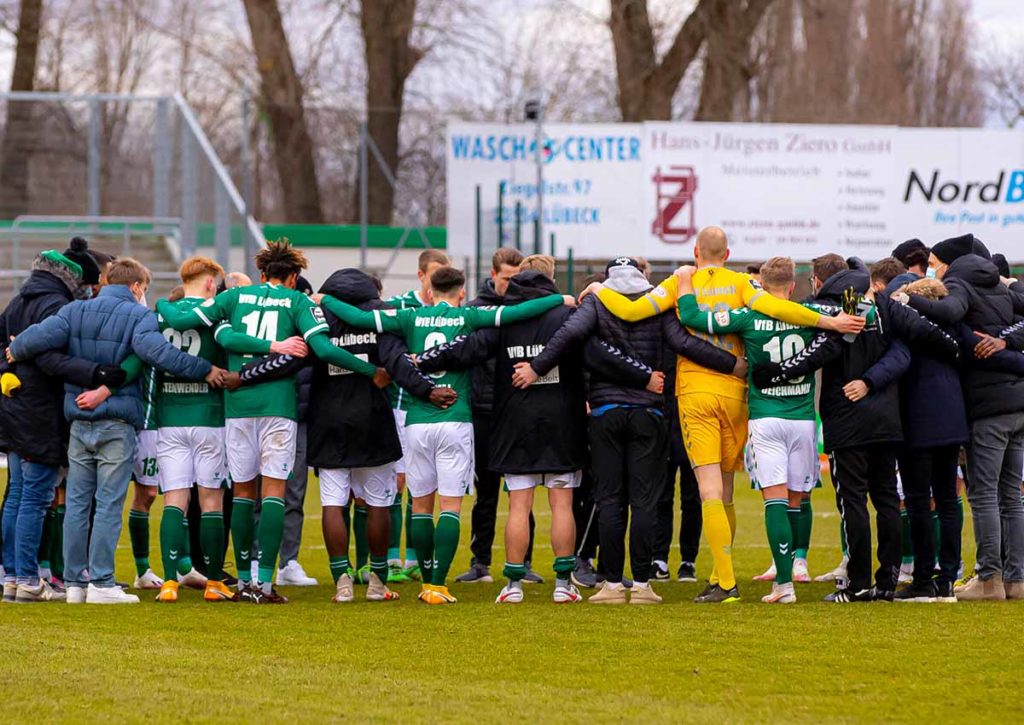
(674, 193)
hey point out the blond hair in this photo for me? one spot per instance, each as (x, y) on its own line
(195, 267)
(778, 272)
(543, 263)
(127, 271)
(432, 256)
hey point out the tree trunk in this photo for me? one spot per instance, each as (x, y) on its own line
(646, 86)
(725, 91)
(389, 61)
(17, 144)
(281, 98)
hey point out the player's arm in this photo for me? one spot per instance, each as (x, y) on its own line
(50, 334)
(208, 314)
(702, 352)
(947, 311)
(912, 328)
(823, 349)
(608, 361)
(327, 351)
(394, 356)
(477, 317)
(463, 352)
(795, 314)
(272, 367)
(888, 368)
(660, 299)
(383, 320)
(580, 325)
(153, 349)
(692, 316)
(240, 343)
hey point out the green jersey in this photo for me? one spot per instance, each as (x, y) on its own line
(427, 327)
(409, 301)
(765, 340)
(189, 403)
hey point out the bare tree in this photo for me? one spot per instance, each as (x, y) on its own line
(17, 146)
(724, 93)
(282, 99)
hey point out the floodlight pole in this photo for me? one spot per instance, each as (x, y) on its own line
(535, 113)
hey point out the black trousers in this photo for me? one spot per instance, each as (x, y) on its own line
(488, 490)
(692, 515)
(858, 473)
(628, 451)
(584, 511)
(929, 473)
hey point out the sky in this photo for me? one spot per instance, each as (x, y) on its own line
(1003, 19)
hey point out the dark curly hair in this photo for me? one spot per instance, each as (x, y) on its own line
(280, 260)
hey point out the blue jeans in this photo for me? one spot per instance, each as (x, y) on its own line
(29, 494)
(100, 457)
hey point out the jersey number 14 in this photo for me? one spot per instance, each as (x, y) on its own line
(264, 327)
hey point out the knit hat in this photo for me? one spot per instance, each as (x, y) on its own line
(949, 250)
(904, 251)
(999, 260)
(78, 252)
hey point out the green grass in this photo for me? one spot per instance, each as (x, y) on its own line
(313, 661)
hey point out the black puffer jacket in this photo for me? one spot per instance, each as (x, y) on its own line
(978, 299)
(33, 420)
(873, 356)
(482, 376)
(644, 341)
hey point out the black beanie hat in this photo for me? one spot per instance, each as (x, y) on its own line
(904, 250)
(302, 285)
(949, 250)
(980, 249)
(999, 260)
(78, 252)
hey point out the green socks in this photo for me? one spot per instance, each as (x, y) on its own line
(242, 524)
(271, 530)
(138, 532)
(170, 540)
(780, 538)
(185, 560)
(514, 572)
(379, 566)
(422, 530)
(563, 567)
(211, 535)
(339, 566)
(410, 547)
(395, 540)
(359, 533)
(446, 543)
(907, 543)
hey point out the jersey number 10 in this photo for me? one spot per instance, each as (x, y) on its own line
(783, 348)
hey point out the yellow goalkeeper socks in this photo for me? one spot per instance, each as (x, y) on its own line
(719, 536)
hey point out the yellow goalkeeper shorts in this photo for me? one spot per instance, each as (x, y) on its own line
(714, 429)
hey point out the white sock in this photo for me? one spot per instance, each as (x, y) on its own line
(641, 585)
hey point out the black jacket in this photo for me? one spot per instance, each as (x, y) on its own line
(32, 420)
(875, 356)
(979, 300)
(644, 341)
(482, 375)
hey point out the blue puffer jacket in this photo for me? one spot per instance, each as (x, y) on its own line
(106, 330)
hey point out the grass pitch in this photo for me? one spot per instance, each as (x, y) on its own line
(478, 662)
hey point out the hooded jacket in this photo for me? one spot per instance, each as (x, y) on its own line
(350, 422)
(482, 376)
(978, 300)
(876, 356)
(32, 421)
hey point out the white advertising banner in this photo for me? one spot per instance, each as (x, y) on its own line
(795, 190)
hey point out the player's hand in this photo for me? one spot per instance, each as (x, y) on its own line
(232, 381)
(1007, 280)
(591, 289)
(215, 378)
(568, 300)
(843, 323)
(740, 369)
(381, 378)
(855, 390)
(7, 352)
(902, 297)
(294, 346)
(988, 346)
(92, 399)
(657, 382)
(685, 272)
(524, 375)
(317, 297)
(443, 397)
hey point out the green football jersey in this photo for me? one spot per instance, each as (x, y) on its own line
(189, 403)
(266, 312)
(148, 381)
(427, 327)
(765, 340)
(409, 301)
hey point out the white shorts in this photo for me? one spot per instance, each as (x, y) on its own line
(188, 455)
(400, 424)
(439, 458)
(782, 452)
(260, 446)
(525, 481)
(147, 468)
(376, 485)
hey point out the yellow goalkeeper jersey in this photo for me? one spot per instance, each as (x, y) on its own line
(716, 289)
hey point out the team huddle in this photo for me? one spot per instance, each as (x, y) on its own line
(404, 406)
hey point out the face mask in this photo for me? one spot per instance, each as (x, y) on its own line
(930, 273)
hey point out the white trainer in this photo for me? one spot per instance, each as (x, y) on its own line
(837, 574)
(192, 580)
(567, 595)
(906, 573)
(343, 592)
(510, 594)
(800, 573)
(75, 595)
(10, 592)
(108, 595)
(781, 594)
(149, 580)
(293, 575)
(768, 576)
(41, 592)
